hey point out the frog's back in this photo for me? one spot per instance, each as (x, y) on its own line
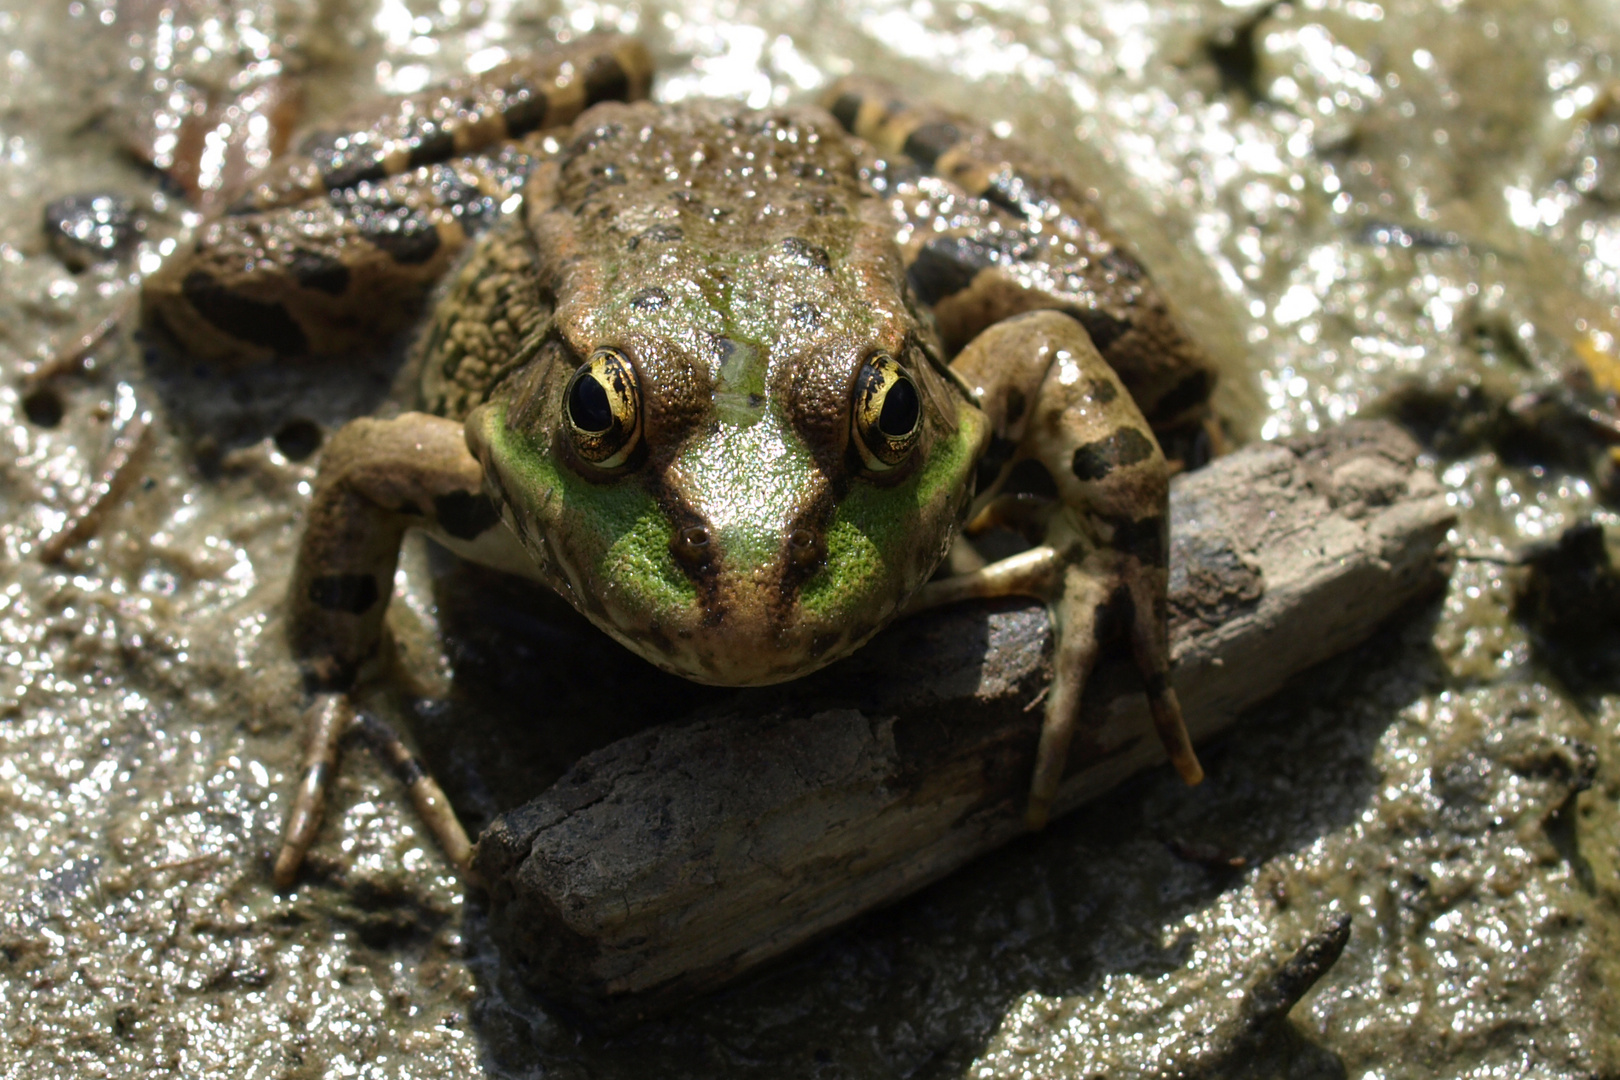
(704, 215)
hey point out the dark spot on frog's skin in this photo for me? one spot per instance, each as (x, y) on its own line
(431, 145)
(408, 246)
(692, 547)
(253, 321)
(1095, 460)
(342, 164)
(465, 515)
(1016, 194)
(846, 109)
(1102, 391)
(1143, 539)
(606, 80)
(353, 593)
(945, 266)
(806, 314)
(807, 254)
(930, 141)
(657, 234)
(651, 299)
(1102, 327)
(323, 273)
(525, 111)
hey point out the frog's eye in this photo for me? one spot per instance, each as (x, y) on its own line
(888, 413)
(603, 407)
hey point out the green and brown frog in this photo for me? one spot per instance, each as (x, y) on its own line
(724, 378)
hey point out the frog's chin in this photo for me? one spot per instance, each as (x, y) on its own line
(743, 654)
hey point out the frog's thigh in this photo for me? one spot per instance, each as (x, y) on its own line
(377, 478)
(510, 101)
(315, 280)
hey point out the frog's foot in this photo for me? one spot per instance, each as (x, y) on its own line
(1035, 572)
(1076, 595)
(326, 722)
(117, 468)
(1105, 580)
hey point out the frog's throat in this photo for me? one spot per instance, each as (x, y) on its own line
(750, 616)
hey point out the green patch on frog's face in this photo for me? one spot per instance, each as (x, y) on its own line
(884, 541)
(744, 611)
(583, 532)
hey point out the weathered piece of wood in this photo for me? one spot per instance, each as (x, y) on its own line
(675, 859)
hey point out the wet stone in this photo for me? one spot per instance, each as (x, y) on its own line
(84, 230)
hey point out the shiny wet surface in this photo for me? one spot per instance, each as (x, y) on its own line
(1403, 209)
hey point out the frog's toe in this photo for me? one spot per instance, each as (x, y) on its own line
(1074, 619)
(325, 723)
(1151, 649)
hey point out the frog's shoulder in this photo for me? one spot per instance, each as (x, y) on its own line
(487, 315)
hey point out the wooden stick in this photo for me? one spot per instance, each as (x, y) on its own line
(113, 475)
(680, 857)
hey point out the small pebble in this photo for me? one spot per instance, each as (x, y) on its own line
(84, 230)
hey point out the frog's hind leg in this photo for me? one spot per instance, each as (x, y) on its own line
(1046, 390)
(334, 249)
(326, 721)
(995, 232)
(510, 101)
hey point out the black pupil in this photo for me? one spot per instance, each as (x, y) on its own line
(899, 413)
(588, 405)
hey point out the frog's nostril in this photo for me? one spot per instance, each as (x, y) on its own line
(691, 545)
(804, 547)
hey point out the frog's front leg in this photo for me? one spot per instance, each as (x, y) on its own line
(1049, 393)
(377, 478)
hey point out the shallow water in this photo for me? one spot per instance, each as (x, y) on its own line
(1405, 209)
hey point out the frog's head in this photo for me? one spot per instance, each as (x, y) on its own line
(739, 489)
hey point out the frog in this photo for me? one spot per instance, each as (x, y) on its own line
(734, 382)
